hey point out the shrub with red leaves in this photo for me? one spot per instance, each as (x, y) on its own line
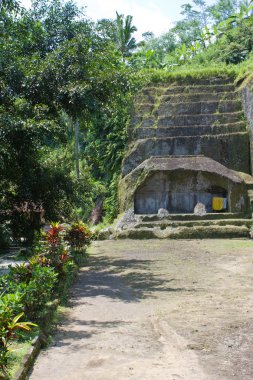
(78, 236)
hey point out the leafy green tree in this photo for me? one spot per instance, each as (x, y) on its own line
(190, 28)
(9, 6)
(153, 51)
(162, 45)
(106, 29)
(60, 21)
(222, 10)
(198, 13)
(57, 72)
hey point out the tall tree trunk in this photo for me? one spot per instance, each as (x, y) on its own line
(77, 128)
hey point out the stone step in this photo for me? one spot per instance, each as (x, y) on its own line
(196, 232)
(231, 150)
(150, 95)
(190, 97)
(217, 216)
(205, 81)
(210, 107)
(210, 81)
(199, 130)
(144, 109)
(162, 224)
(204, 119)
(14, 247)
(201, 107)
(211, 89)
(154, 90)
(198, 97)
(135, 121)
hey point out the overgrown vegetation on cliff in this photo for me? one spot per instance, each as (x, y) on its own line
(66, 88)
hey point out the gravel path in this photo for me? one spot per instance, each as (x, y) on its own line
(166, 309)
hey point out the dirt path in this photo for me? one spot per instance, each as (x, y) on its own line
(169, 310)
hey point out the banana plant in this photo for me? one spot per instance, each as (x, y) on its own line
(183, 53)
(195, 47)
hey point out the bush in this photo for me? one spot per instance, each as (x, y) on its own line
(38, 291)
(52, 251)
(20, 273)
(28, 288)
(10, 305)
(78, 236)
(33, 286)
(11, 310)
(70, 270)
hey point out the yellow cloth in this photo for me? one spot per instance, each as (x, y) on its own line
(218, 204)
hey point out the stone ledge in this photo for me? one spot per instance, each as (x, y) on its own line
(210, 232)
(29, 359)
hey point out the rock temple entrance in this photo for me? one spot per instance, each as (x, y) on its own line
(179, 193)
(178, 183)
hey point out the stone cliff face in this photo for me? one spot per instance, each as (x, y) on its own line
(189, 142)
(204, 117)
(247, 100)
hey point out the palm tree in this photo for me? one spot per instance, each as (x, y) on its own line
(124, 40)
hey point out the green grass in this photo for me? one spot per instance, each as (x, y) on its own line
(19, 348)
(190, 72)
(241, 74)
(16, 357)
(245, 73)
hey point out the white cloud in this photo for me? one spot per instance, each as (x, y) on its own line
(147, 16)
(26, 3)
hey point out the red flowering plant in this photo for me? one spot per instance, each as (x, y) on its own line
(55, 252)
(54, 237)
(78, 236)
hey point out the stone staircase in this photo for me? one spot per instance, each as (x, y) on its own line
(189, 117)
(180, 118)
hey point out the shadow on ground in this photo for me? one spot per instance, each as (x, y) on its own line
(68, 336)
(129, 280)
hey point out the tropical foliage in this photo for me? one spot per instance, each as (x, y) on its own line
(8, 328)
(64, 98)
(220, 33)
(66, 95)
(27, 289)
(66, 86)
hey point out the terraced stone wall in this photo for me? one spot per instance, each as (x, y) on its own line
(202, 117)
(183, 131)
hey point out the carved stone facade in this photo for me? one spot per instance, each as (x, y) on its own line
(190, 144)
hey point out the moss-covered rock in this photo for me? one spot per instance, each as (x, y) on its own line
(196, 232)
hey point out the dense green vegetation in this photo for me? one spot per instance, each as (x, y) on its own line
(66, 87)
(28, 290)
(221, 33)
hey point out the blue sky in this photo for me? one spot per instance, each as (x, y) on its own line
(148, 15)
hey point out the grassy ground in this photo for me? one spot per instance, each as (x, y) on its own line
(18, 349)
